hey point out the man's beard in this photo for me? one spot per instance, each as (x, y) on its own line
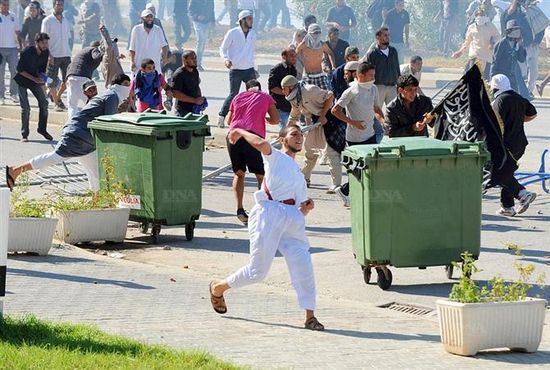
(58, 13)
(148, 25)
(293, 149)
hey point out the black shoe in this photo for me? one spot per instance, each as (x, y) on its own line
(46, 135)
(242, 216)
(24, 139)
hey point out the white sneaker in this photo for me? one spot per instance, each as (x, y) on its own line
(221, 122)
(344, 197)
(506, 211)
(525, 199)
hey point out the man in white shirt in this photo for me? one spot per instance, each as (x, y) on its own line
(147, 42)
(237, 51)
(277, 223)
(9, 36)
(59, 30)
(360, 102)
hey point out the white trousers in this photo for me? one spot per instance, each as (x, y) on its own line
(315, 144)
(273, 227)
(386, 94)
(88, 162)
(532, 62)
(75, 94)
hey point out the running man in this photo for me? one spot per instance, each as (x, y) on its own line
(277, 222)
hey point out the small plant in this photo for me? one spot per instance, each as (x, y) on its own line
(108, 196)
(467, 290)
(23, 206)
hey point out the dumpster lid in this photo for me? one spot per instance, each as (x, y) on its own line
(414, 147)
(154, 119)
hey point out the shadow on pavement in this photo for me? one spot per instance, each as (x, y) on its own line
(331, 230)
(31, 141)
(434, 290)
(540, 357)
(347, 332)
(507, 228)
(524, 252)
(53, 259)
(77, 279)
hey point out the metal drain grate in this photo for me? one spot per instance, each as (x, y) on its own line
(408, 308)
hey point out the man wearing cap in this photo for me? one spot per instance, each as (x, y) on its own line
(238, 51)
(110, 66)
(89, 89)
(276, 75)
(204, 18)
(31, 70)
(315, 104)
(513, 111)
(508, 52)
(314, 50)
(406, 115)
(384, 57)
(84, 63)
(147, 42)
(360, 102)
(156, 20)
(344, 74)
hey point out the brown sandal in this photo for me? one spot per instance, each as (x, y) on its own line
(314, 324)
(218, 303)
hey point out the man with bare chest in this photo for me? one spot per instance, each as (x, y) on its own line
(314, 50)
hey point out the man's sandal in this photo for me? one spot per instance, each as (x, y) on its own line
(314, 324)
(218, 303)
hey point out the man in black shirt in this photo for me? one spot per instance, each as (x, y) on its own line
(31, 70)
(276, 75)
(397, 21)
(407, 115)
(185, 85)
(338, 47)
(204, 19)
(513, 111)
(342, 17)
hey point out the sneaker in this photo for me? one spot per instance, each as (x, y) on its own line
(525, 199)
(15, 99)
(506, 211)
(24, 140)
(332, 190)
(344, 197)
(308, 183)
(61, 105)
(221, 121)
(46, 135)
(242, 216)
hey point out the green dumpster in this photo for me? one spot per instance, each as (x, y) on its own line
(415, 202)
(159, 159)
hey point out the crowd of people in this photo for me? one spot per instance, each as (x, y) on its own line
(346, 97)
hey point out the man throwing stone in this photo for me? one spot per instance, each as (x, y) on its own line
(277, 223)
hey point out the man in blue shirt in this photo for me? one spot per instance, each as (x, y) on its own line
(76, 139)
(342, 17)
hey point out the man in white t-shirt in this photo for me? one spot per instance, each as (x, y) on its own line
(361, 105)
(9, 36)
(277, 223)
(148, 42)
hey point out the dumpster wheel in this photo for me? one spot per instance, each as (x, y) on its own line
(449, 271)
(144, 227)
(190, 231)
(384, 277)
(367, 273)
(155, 232)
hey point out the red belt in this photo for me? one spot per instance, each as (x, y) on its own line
(290, 202)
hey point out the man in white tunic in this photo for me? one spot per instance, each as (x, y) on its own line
(147, 42)
(277, 223)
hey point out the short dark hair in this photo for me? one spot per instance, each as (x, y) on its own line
(285, 130)
(364, 67)
(58, 1)
(119, 79)
(285, 52)
(253, 83)
(333, 30)
(416, 58)
(381, 30)
(41, 36)
(406, 81)
(187, 53)
(309, 19)
(147, 61)
(351, 50)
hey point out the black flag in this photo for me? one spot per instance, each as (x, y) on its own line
(466, 114)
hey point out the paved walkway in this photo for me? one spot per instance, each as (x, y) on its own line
(262, 328)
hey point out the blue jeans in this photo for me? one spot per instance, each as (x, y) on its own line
(38, 93)
(378, 131)
(520, 85)
(236, 77)
(283, 118)
(201, 30)
(182, 27)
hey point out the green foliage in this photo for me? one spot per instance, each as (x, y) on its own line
(107, 197)
(467, 290)
(30, 343)
(23, 206)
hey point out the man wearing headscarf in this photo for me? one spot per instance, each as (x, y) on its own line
(513, 111)
(313, 49)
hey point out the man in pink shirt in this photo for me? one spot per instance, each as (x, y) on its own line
(248, 112)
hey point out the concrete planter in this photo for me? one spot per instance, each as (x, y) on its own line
(28, 234)
(467, 328)
(92, 225)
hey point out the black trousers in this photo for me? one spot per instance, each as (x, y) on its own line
(510, 186)
(38, 93)
(371, 140)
